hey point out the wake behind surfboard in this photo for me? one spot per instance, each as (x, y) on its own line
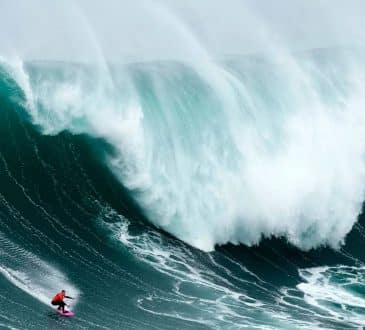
(66, 313)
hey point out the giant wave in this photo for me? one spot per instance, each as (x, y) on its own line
(130, 129)
(222, 152)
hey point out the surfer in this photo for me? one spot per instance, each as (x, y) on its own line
(58, 300)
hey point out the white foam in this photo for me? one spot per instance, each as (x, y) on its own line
(202, 289)
(177, 263)
(327, 288)
(16, 70)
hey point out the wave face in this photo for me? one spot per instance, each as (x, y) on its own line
(247, 150)
(221, 152)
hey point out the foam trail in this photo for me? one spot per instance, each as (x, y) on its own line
(31, 274)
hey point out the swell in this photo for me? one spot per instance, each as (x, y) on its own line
(61, 202)
(68, 168)
(221, 152)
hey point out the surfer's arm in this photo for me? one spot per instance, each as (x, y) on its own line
(69, 297)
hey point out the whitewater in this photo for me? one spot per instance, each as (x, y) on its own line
(223, 161)
(211, 175)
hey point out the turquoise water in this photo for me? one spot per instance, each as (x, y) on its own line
(170, 196)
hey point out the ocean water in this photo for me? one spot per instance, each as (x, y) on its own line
(171, 195)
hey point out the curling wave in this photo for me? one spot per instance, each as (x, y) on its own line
(220, 152)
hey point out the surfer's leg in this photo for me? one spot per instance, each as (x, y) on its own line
(55, 303)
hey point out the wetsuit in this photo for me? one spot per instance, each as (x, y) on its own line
(58, 300)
